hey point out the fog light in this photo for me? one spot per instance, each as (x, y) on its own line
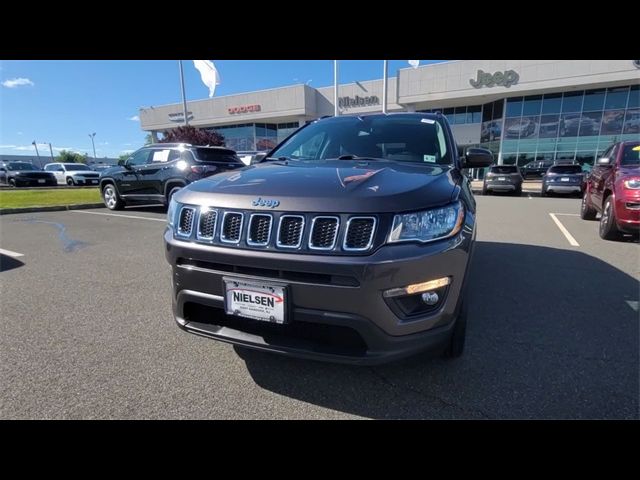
(430, 298)
(418, 287)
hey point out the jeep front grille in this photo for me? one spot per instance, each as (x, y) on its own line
(359, 234)
(324, 231)
(207, 224)
(259, 229)
(290, 231)
(231, 227)
(185, 223)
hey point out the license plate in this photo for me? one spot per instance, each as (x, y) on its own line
(565, 179)
(94, 181)
(41, 181)
(256, 300)
(501, 179)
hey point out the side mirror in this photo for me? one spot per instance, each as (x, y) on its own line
(257, 158)
(477, 158)
(121, 162)
(604, 162)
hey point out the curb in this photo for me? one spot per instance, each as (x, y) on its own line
(52, 208)
(49, 187)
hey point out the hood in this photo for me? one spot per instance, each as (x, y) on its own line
(31, 173)
(630, 171)
(327, 186)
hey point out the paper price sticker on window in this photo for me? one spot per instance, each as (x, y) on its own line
(161, 156)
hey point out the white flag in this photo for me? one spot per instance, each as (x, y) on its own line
(209, 74)
(414, 63)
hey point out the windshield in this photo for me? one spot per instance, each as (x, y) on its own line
(75, 166)
(410, 138)
(20, 166)
(504, 169)
(631, 155)
(566, 169)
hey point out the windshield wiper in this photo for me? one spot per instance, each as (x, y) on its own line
(356, 157)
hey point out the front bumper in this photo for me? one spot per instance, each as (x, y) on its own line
(86, 181)
(337, 310)
(628, 212)
(33, 182)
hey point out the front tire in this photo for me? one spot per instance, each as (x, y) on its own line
(70, 182)
(12, 183)
(587, 212)
(608, 227)
(518, 192)
(111, 198)
(456, 343)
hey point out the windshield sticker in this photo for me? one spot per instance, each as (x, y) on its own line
(428, 120)
(429, 158)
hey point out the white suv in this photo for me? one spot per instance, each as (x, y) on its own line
(73, 173)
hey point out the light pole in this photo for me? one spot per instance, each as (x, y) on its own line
(37, 153)
(94, 146)
(184, 98)
(51, 152)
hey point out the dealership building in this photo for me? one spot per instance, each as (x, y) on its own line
(522, 110)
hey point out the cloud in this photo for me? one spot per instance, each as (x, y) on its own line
(8, 146)
(104, 143)
(135, 118)
(17, 82)
(127, 151)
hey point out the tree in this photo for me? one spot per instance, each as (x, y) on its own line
(123, 157)
(66, 156)
(192, 135)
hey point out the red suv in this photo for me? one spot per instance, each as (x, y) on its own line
(613, 189)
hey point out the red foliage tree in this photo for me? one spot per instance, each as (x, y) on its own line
(193, 135)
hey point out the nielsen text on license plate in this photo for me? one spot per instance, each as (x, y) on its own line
(256, 300)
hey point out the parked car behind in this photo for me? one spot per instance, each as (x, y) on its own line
(25, 174)
(73, 173)
(503, 178)
(613, 190)
(563, 179)
(535, 169)
(155, 172)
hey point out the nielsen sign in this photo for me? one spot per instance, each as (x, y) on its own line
(349, 102)
(505, 79)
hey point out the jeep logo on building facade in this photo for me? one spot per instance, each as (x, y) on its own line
(505, 79)
(349, 102)
(260, 202)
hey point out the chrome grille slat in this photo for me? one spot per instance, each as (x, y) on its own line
(231, 227)
(207, 221)
(359, 234)
(324, 233)
(185, 221)
(290, 230)
(259, 232)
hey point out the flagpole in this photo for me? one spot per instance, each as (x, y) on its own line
(336, 111)
(384, 88)
(184, 100)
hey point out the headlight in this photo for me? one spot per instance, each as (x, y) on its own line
(427, 226)
(632, 183)
(171, 212)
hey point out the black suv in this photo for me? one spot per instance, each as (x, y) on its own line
(349, 242)
(155, 172)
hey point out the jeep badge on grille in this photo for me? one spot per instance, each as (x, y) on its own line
(260, 202)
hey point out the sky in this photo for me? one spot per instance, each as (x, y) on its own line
(62, 102)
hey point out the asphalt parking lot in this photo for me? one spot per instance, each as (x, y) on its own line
(86, 330)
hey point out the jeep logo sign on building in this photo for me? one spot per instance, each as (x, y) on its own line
(504, 79)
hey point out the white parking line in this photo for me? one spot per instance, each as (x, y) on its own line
(9, 253)
(568, 214)
(565, 232)
(119, 215)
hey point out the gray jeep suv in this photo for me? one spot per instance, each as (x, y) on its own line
(349, 242)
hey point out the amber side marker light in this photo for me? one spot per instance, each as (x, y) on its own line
(418, 287)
